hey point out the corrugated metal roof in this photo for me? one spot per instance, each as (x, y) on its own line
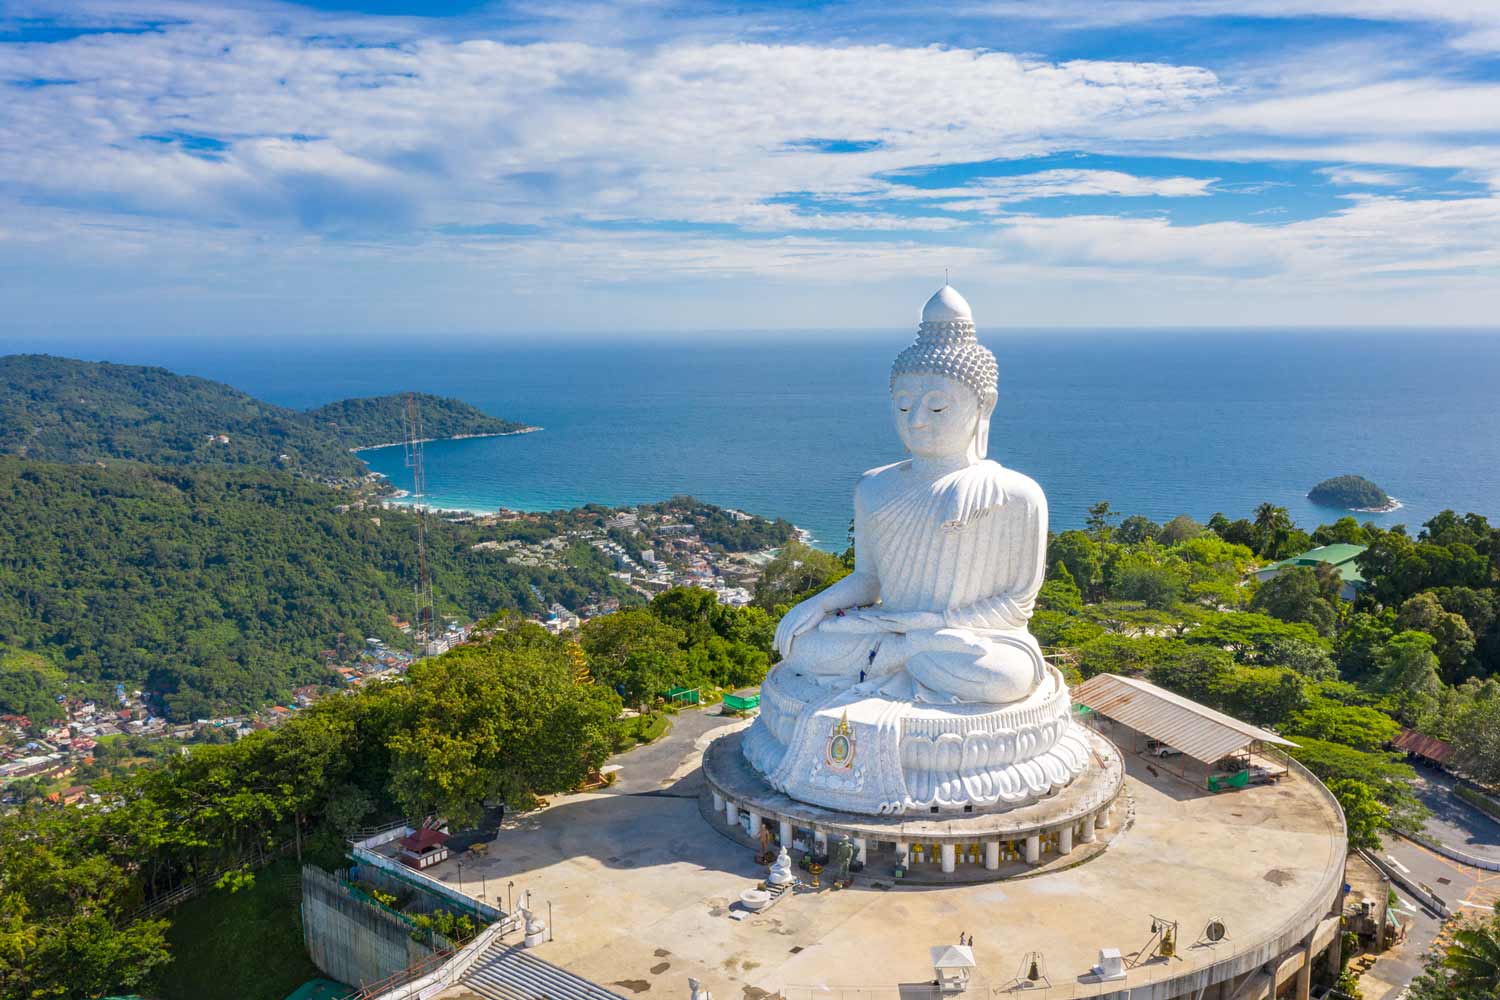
(1196, 730)
(1430, 747)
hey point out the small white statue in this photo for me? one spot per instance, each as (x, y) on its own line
(930, 628)
(535, 926)
(699, 993)
(781, 870)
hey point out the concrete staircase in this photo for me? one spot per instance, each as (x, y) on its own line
(506, 972)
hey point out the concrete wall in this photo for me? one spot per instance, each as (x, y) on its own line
(350, 940)
(462, 901)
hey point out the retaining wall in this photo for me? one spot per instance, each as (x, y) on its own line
(350, 940)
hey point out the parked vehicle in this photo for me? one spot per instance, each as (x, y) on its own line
(1157, 748)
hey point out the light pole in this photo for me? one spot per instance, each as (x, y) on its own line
(508, 887)
(460, 876)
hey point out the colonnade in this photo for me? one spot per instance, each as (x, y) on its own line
(991, 852)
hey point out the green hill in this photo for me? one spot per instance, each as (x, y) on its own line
(62, 410)
(1349, 492)
(217, 588)
(380, 419)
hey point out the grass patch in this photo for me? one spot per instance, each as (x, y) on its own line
(649, 728)
(245, 944)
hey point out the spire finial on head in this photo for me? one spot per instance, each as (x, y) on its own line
(946, 345)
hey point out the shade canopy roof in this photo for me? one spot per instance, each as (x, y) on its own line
(952, 956)
(1181, 723)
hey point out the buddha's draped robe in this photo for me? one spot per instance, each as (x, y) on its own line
(968, 550)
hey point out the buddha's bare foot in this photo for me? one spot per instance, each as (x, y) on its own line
(973, 669)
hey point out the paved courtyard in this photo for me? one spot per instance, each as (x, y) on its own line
(643, 891)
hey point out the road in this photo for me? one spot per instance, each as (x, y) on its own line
(1455, 823)
(1463, 889)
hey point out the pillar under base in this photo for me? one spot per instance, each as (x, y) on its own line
(1033, 849)
(992, 855)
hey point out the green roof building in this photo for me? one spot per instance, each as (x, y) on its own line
(1340, 556)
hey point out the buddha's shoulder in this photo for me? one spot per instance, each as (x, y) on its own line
(988, 484)
(1015, 483)
(878, 485)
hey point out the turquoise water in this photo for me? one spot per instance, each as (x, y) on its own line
(1158, 423)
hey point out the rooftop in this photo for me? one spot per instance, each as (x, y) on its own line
(1196, 730)
(643, 892)
(1339, 555)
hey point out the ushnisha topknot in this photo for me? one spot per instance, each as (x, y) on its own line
(946, 345)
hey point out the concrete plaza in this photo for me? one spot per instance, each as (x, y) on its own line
(643, 891)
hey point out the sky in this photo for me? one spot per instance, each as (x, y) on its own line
(388, 166)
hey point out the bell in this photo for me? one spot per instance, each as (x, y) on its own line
(1033, 973)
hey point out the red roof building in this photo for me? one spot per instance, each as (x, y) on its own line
(1427, 747)
(424, 848)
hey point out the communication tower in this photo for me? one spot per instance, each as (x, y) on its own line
(424, 617)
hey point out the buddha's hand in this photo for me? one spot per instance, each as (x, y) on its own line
(799, 620)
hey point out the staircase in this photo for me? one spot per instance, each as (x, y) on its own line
(506, 972)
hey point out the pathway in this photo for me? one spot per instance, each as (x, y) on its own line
(1455, 823)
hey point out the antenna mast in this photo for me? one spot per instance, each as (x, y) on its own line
(424, 617)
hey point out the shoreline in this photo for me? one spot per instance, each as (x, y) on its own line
(455, 437)
(1390, 506)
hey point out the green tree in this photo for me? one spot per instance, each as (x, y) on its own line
(1385, 773)
(1474, 958)
(635, 653)
(1100, 521)
(1407, 669)
(1136, 529)
(1273, 526)
(797, 571)
(1180, 529)
(1059, 591)
(1453, 640)
(1364, 814)
(1476, 734)
(1081, 555)
(1355, 726)
(1158, 587)
(1266, 696)
(501, 719)
(1345, 529)
(1295, 595)
(64, 905)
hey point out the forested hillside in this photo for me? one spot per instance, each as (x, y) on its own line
(218, 587)
(62, 410)
(380, 419)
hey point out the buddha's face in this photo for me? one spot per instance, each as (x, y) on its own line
(936, 416)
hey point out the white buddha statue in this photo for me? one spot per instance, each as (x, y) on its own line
(913, 682)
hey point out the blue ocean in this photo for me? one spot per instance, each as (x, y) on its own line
(1156, 422)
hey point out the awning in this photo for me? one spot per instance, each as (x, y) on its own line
(1180, 723)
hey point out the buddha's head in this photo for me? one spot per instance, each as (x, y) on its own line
(944, 386)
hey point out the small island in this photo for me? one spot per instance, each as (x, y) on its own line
(1353, 493)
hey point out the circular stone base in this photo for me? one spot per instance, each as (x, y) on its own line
(731, 777)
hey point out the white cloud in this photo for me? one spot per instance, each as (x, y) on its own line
(1364, 177)
(391, 172)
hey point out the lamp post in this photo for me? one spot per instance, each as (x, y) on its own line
(508, 887)
(460, 876)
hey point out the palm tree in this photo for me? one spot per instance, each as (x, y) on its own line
(1272, 524)
(1474, 957)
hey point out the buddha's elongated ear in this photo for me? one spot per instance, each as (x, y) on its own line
(979, 448)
